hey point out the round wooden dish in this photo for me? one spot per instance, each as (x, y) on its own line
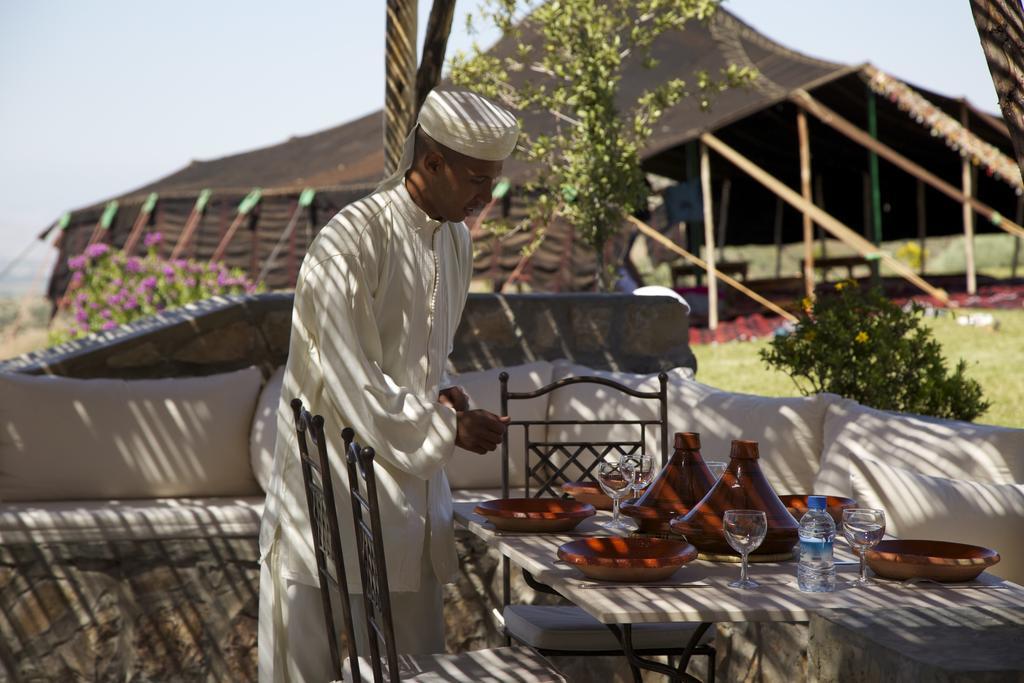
(588, 492)
(797, 505)
(935, 560)
(630, 559)
(534, 514)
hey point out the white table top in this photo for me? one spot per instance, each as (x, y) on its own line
(699, 590)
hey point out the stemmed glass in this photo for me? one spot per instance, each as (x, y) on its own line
(616, 480)
(744, 530)
(863, 529)
(640, 470)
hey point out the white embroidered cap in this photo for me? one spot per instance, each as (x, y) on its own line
(464, 122)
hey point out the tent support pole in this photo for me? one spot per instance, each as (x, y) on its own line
(836, 228)
(922, 223)
(876, 184)
(777, 233)
(723, 216)
(699, 262)
(967, 173)
(1016, 242)
(805, 191)
(709, 237)
(803, 99)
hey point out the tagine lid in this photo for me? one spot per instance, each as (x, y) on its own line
(683, 481)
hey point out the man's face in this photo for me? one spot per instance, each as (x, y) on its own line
(462, 185)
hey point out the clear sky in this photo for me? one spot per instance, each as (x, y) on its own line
(97, 98)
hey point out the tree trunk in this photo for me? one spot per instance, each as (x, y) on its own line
(400, 74)
(1001, 29)
(435, 43)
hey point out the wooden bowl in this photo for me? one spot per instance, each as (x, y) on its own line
(588, 492)
(627, 559)
(935, 560)
(534, 514)
(797, 505)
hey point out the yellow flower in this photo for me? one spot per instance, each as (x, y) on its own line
(807, 304)
(861, 337)
(840, 285)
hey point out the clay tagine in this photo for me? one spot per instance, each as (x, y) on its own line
(683, 482)
(743, 486)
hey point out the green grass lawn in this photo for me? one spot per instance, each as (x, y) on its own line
(995, 358)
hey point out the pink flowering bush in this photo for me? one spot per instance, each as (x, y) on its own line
(109, 288)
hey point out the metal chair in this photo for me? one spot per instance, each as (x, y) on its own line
(498, 664)
(567, 629)
(323, 516)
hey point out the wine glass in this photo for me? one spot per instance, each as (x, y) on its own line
(640, 470)
(616, 481)
(716, 467)
(863, 529)
(744, 530)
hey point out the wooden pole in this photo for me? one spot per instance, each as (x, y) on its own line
(819, 200)
(831, 118)
(838, 230)
(699, 262)
(723, 217)
(922, 223)
(1016, 242)
(435, 43)
(805, 190)
(709, 237)
(1001, 29)
(967, 180)
(145, 211)
(777, 234)
(192, 223)
(400, 77)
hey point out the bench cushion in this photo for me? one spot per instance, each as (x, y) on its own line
(941, 509)
(263, 434)
(78, 439)
(926, 445)
(75, 521)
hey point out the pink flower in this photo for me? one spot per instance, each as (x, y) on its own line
(130, 302)
(148, 284)
(113, 300)
(96, 250)
(117, 282)
(133, 265)
(77, 262)
(77, 279)
(180, 263)
(152, 239)
(81, 315)
(106, 314)
(109, 325)
(190, 282)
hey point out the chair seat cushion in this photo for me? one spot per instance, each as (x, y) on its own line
(498, 665)
(76, 521)
(567, 627)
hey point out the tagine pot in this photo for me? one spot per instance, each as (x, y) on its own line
(743, 486)
(681, 484)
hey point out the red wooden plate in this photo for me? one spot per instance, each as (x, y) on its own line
(935, 560)
(627, 559)
(534, 514)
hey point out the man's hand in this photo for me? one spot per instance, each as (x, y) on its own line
(455, 398)
(479, 431)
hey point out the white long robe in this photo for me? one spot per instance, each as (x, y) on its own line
(377, 302)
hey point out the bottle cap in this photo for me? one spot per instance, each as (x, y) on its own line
(816, 503)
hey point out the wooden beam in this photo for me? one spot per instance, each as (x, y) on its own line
(700, 263)
(838, 230)
(141, 220)
(435, 43)
(191, 223)
(804, 100)
(777, 236)
(1001, 29)
(1016, 242)
(967, 181)
(805, 190)
(723, 216)
(400, 79)
(709, 237)
(922, 223)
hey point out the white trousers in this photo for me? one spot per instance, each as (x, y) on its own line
(292, 642)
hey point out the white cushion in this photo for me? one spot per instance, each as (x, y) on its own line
(789, 430)
(940, 509)
(495, 665)
(79, 439)
(568, 627)
(69, 521)
(938, 448)
(264, 429)
(468, 470)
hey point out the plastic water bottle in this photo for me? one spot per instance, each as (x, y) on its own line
(816, 572)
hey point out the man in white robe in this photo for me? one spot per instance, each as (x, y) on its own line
(377, 302)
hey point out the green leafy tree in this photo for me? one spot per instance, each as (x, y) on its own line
(567, 63)
(859, 344)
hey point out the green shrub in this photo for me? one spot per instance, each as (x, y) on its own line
(858, 344)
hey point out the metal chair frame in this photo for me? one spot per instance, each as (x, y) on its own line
(323, 516)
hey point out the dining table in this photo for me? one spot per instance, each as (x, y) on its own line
(699, 592)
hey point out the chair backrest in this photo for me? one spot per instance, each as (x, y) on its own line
(323, 516)
(549, 464)
(372, 564)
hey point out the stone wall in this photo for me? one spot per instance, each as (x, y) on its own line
(611, 331)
